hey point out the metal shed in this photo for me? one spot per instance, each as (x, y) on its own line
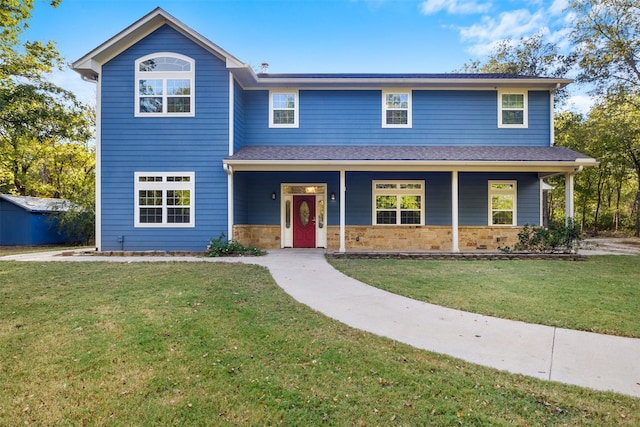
(26, 220)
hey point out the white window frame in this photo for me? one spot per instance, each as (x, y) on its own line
(524, 109)
(164, 183)
(398, 192)
(513, 192)
(165, 76)
(295, 109)
(386, 108)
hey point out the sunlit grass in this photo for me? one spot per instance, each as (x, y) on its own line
(13, 250)
(220, 344)
(599, 295)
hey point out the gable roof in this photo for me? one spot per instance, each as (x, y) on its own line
(445, 157)
(38, 204)
(90, 64)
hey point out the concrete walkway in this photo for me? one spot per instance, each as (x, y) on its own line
(596, 361)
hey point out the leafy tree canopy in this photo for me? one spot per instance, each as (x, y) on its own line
(607, 39)
(30, 60)
(529, 56)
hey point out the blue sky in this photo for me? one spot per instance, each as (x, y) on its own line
(309, 36)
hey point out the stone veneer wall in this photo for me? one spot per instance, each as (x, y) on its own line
(260, 236)
(390, 238)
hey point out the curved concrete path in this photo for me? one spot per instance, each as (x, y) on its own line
(601, 362)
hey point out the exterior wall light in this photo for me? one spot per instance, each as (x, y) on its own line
(332, 196)
(273, 195)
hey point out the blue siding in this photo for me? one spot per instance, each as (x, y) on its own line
(21, 227)
(238, 117)
(254, 204)
(130, 144)
(354, 117)
(437, 195)
(474, 197)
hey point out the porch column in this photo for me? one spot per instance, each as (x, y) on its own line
(568, 196)
(229, 172)
(343, 190)
(454, 212)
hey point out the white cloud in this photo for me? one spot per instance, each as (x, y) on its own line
(579, 104)
(431, 7)
(558, 7)
(508, 25)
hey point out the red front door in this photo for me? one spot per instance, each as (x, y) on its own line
(304, 221)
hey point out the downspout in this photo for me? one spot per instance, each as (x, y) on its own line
(231, 114)
(229, 170)
(343, 190)
(552, 133)
(98, 142)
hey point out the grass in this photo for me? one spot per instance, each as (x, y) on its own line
(203, 343)
(14, 250)
(600, 295)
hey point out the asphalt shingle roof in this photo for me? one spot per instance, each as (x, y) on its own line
(38, 204)
(408, 153)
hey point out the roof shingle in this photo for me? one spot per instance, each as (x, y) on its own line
(408, 153)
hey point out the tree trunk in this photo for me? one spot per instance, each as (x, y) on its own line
(637, 233)
(616, 218)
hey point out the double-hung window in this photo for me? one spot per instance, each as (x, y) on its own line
(512, 109)
(165, 85)
(502, 203)
(164, 199)
(398, 203)
(396, 108)
(283, 109)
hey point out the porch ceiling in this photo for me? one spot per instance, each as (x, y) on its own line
(432, 158)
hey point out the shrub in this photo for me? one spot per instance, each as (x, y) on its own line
(75, 221)
(222, 247)
(559, 237)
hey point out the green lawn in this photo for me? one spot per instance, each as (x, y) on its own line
(14, 250)
(600, 295)
(220, 344)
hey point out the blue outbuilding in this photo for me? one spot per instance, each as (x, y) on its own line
(27, 220)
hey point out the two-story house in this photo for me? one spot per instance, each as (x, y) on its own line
(192, 143)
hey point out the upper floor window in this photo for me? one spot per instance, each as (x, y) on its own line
(283, 109)
(165, 85)
(502, 203)
(396, 109)
(398, 202)
(164, 199)
(512, 109)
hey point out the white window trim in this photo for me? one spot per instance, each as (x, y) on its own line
(296, 108)
(513, 192)
(397, 192)
(164, 76)
(386, 92)
(164, 186)
(525, 110)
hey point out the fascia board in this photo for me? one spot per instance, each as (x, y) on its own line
(318, 83)
(140, 29)
(406, 165)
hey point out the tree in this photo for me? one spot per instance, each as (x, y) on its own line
(607, 45)
(44, 130)
(619, 129)
(29, 60)
(530, 56)
(607, 39)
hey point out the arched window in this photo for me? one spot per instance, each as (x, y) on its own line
(165, 85)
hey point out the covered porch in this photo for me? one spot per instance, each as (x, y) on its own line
(391, 198)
